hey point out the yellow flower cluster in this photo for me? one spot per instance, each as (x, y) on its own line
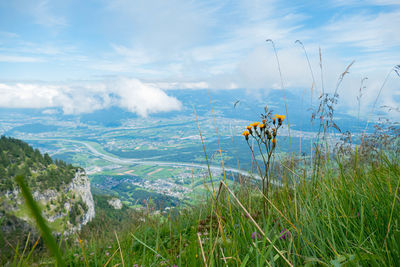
(246, 134)
(255, 124)
(265, 129)
(264, 135)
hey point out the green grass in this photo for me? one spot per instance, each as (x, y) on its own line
(40, 221)
(347, 215)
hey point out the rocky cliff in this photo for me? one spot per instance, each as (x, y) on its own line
(74, 199)
(59, 188)
(81, 187)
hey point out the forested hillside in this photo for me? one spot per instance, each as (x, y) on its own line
(61, 190)
(17, 157)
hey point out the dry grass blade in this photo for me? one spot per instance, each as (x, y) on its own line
(322, 73)
(223, 256)
(215, 244)
(120, 251)
(272, 204)
(346, 71)
(374, 105)
(204, 148)
(283, 91)
(151, 249)
(202, 251)
(256, 225)
(109, 259)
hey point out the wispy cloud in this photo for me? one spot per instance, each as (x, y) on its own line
(45, 15)
(5, 34)
(365, 2)
(19, 59)
(370, 32)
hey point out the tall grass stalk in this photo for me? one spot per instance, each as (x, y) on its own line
(283, 91)
(374, 105)
(41, 223)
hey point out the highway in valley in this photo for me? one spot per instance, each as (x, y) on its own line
(129, 161)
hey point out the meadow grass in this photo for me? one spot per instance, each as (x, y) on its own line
(348, 215)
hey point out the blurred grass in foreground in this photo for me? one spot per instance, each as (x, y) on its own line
(349, 214)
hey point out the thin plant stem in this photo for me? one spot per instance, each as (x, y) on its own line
(36, 213)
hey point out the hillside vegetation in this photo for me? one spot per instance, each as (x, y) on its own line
(59, 189)
(17, 157)
(343, 209)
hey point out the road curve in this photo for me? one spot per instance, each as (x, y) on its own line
(129, 161)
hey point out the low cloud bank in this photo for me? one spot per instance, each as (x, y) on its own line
(130, 94)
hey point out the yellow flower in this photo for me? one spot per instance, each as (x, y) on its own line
(264, 121)
(274, 141)
(255, 124)
(261, 126)
(280, 117)
(248, 127)
(246, 135)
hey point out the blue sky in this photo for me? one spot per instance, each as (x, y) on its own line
(59, 46)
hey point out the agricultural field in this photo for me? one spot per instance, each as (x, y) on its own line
(161, 157)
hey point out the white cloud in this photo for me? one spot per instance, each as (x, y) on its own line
(130, 94)
(10, 35)
(45, 16)
(50, 111)
(378, 32)
(43, 12)
(143, 99)
(365, 2)
(190, 41)
(13, 59)
(181, 85)
(165, 25)
(134, 57)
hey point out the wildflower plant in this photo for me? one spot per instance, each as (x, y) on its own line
(265, 135)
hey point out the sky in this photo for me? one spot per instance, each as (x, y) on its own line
(82, 56)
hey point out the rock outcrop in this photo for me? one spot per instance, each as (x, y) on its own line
(74, 199)
(61, 190)
(81, 186)
(115, 203)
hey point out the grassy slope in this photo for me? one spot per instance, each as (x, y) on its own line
(347, 214)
